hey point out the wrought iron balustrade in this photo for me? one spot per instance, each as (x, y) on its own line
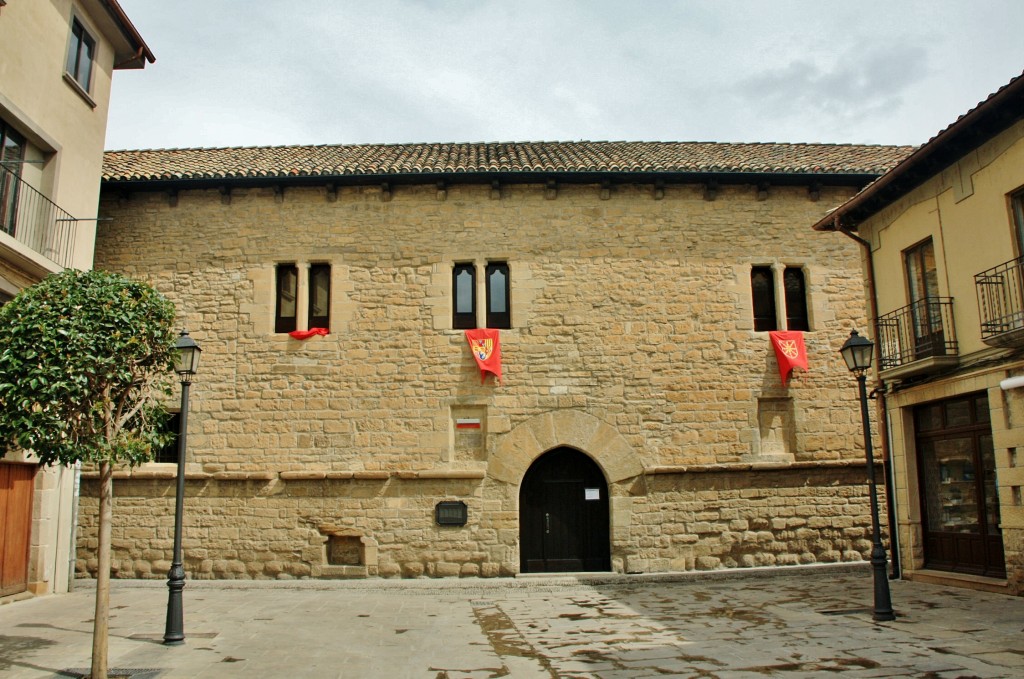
(917, 331)
(34, 220)
(1001, 302)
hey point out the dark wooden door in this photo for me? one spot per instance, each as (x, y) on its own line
(960, 503)
(16, 482)
(563, 515)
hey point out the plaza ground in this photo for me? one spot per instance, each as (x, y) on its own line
(806, 622)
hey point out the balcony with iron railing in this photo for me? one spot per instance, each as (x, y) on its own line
(35, 221)
(1001, 304)
(917, 339)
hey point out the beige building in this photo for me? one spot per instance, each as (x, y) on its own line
(944, 233)
(640, 424)
(56, 62)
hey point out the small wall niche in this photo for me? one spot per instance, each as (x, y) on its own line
(468, 429)
(346, 554)
(776, 430)
(344, 550)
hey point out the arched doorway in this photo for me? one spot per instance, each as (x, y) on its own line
(563, 515)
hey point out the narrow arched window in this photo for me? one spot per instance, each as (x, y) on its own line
(796, 299)
(320, 296)
(285, 317)
(499, 312)
(762, 289)
(464, 296)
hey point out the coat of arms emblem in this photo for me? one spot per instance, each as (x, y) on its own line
(482, 348)
(789, 348)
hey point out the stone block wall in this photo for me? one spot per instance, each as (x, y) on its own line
(631, 318)
(279, 529)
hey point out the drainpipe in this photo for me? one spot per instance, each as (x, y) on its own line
(884, 425)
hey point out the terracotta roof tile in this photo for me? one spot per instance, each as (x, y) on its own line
(510, 158)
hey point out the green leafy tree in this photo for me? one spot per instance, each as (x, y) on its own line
(84, 360)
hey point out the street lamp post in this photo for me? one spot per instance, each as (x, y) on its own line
(185, 364)
(857, 352)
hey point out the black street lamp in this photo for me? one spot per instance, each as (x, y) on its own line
(185, 364)
(857, 352)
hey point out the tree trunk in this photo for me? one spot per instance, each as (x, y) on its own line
(102, 618)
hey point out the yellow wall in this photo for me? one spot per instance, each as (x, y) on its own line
(65, 129)
(965, 209)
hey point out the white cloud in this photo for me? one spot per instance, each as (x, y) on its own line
(319, 71)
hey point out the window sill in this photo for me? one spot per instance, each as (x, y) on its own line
(73, 84)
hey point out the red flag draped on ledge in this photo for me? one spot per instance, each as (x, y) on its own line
(306, 334)
(486, 348)
(789, 350)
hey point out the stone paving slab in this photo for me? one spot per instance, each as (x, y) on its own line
(807, 623)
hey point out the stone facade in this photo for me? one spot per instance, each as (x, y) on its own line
(632, 341)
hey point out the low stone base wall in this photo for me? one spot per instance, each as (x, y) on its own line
(350, 525)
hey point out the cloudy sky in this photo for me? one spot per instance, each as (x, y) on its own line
(234, 72)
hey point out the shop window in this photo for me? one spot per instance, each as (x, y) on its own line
(320, 296)
(498, 310)
(762, 288)
(464, 296)
(957, 477)
(81, 52)
(285, 316)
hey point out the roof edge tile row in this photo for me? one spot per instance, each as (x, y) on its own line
(497, 158)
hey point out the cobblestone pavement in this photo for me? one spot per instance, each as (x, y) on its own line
(805, 622)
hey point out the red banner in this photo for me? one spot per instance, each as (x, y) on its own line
(306, 334)
(789, 350)
(486, 349)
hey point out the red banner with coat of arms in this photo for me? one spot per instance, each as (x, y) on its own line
(306, 334)
(486, 349)
(789, 350)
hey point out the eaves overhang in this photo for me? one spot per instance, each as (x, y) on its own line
(856, 179)
(991, 117)
(139, 53)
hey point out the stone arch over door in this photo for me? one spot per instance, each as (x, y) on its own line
(564, 428)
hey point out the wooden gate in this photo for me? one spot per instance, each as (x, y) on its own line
(16, 483)
(563, 515)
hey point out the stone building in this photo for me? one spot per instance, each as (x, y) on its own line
(640, 424)
(945, 230)
(57, 61)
